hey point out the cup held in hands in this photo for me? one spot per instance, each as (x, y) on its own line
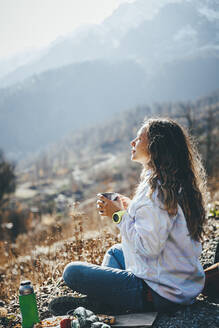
(110, 195)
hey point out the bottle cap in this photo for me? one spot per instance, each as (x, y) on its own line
(25, 282)
(25, 287)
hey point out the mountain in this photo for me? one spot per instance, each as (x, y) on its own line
(150, 32)
(57, 102)
(88, 42)
(10, 65)
(134, 57)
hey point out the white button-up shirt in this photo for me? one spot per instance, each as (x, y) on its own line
(158, 249)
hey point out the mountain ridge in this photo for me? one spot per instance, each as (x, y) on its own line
(107, 41)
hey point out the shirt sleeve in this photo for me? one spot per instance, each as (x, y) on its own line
(148, 231)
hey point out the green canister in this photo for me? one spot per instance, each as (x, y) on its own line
(28, 304)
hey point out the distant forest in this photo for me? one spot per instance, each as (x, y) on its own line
(201, 118)
(97, 159)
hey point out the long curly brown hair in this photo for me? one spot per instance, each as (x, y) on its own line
(177, 172)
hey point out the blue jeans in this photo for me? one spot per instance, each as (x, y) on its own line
(117, 289)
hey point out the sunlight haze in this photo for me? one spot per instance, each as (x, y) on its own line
(26, 24)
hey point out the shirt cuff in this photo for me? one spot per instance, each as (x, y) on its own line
(124, 218)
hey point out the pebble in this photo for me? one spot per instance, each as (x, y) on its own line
(3, 312)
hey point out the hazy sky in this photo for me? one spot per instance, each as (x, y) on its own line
(34, 23)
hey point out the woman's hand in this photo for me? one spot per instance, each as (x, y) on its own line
(107, 207)
(125, 201)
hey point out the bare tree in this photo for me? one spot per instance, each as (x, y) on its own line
(7, 178)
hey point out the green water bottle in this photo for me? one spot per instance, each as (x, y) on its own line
(28, 304)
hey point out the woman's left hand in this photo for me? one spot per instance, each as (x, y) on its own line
(107, 207)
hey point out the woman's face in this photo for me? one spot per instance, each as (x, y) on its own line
(140, 147)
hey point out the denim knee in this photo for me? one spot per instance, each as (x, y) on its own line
(114, 257)
(113, 249)
(72, 272)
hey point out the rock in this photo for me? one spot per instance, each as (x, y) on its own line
(3, 312)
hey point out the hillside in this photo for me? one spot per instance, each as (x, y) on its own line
(98, 158)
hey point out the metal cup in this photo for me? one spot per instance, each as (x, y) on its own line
(110, 195)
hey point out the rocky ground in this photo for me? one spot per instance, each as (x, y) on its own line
(204, 313)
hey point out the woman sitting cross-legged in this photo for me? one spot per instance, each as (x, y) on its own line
(156, 267)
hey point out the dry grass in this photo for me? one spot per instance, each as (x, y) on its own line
(43, 253)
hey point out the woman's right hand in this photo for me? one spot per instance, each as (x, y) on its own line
(125, 201)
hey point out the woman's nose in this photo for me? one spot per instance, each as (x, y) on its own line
(132, 143)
